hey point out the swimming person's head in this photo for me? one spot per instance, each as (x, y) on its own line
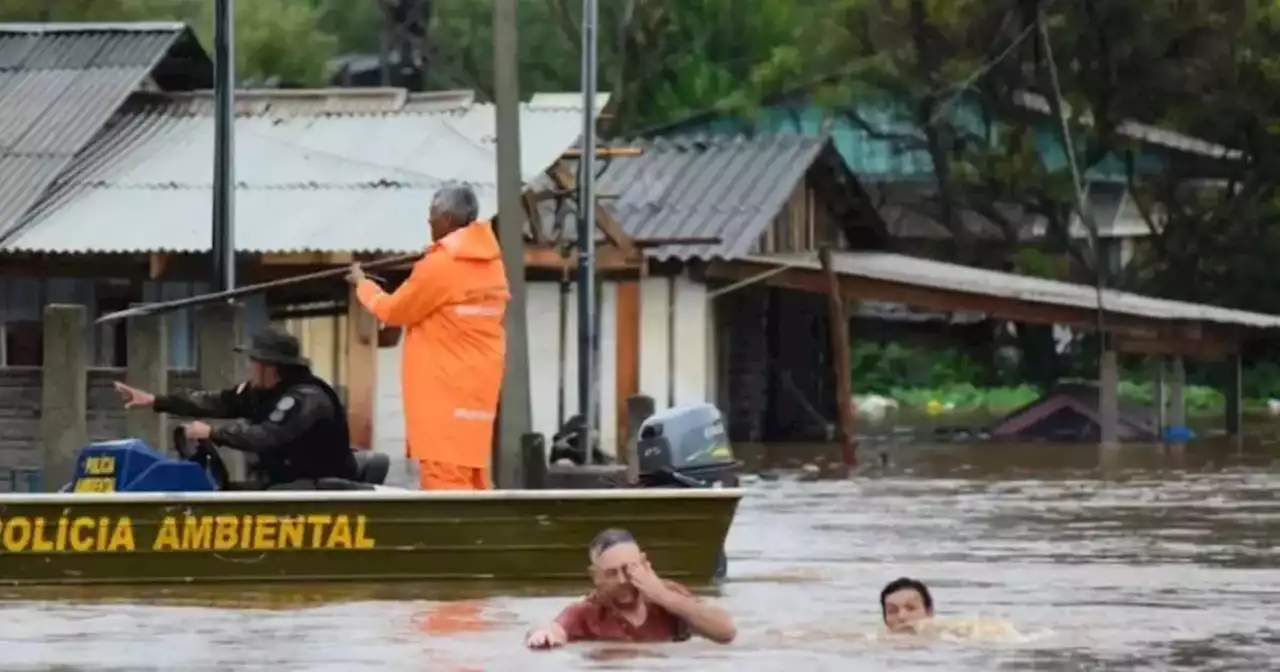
(905, 602)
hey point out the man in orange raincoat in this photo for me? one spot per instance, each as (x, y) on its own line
(451, 308)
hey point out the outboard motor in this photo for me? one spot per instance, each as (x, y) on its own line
(686, 447)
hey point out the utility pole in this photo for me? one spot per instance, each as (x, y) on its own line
(224, 93)
(514, 412)
(586, 233)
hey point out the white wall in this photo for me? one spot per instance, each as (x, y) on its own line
(689, 381)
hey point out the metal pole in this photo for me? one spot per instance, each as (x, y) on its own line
(586, 231)
(514, 419)
(224, 86)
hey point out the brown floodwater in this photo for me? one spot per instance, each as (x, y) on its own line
(1140, 558)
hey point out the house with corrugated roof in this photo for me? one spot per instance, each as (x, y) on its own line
(885, 147)
(742, 318)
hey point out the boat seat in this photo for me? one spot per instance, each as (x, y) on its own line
(372, 467)
(341, 484)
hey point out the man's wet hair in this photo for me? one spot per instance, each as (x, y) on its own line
(607, 540)
(905, 583)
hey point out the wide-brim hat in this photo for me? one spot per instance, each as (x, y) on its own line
(275, 347)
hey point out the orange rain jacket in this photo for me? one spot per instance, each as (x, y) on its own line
(452, 309)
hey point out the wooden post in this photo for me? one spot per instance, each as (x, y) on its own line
(533, 457)
(840, 358)
(1108, 398)
(1177, 399)
(1158, 396)
(64, 390)
(640, 407)
(147, 367)
(1233, 393)
(627, 357)
(219, 329)
(362, 372)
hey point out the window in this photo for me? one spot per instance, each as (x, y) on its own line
(23, 343)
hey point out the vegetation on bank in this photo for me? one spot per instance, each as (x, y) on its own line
(917, 378)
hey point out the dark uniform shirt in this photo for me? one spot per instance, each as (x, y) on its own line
(297, 430)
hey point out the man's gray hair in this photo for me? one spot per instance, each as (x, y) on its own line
(607, 540)
(457, 202)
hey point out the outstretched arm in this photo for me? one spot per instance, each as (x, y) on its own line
(420, 295)
(232, 402)
(296, 411)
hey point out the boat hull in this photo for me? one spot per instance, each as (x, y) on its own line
(502, 535)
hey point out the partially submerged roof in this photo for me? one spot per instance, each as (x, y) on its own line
(697, 187)
(906, 271)
(349, 170)
(1071, 412)
(59, 82)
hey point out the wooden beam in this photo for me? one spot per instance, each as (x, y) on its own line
(362, 372)
(839, 320)
(604, 152)
(607, 259)
(158, 264)
(534, 218)
(627, 378)
(1204, 347)
(604, 221)
(306, 258)
(1176, 334)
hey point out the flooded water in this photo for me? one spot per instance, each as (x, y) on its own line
(1145, 558)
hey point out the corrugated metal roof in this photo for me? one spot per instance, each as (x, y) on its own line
(323, 170)
(697, 186)
(58, 85)
(919, 272)
(874, 147)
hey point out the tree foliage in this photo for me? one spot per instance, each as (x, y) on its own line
(277, 41)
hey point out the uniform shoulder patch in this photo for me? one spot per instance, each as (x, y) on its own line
(283, 406)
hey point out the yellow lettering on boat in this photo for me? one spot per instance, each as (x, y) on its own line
(102, 465)
(82, 534)
(291, 532)
(96, 484)
(79, 534)
(167, 538)
(197, 532)
(184, 532)
(226, 532)
(121, 536)
(38, 542)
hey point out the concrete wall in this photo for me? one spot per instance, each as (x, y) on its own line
(20, 390)
(24, 299)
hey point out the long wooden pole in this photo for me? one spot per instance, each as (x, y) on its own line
(246, 290)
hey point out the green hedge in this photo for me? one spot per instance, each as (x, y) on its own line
(916, 376)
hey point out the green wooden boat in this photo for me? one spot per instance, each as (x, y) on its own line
(371, 535)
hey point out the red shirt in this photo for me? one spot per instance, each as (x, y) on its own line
(594, 620)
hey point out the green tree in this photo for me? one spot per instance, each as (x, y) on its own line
(277, 41)
(660, 59)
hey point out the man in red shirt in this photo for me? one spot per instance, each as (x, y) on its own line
(632, 604)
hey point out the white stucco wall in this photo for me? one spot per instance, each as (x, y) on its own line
(687, 382)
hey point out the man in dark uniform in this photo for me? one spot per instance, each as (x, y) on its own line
(290, 419)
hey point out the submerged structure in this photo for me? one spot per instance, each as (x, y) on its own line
(1072, 412)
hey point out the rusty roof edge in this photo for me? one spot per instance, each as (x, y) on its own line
(93, 27)
(810, 261)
